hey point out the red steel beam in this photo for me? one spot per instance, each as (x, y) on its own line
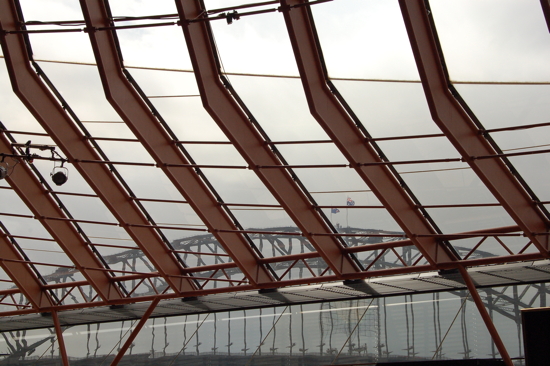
(135, 331)
(22, 275)
(283, 283)
(341, 128)
(46, 109)
(225, 110)
(139, 118)
(485, 316)
(60, 339)
(546, 10)
(27, 186)
(461, 130)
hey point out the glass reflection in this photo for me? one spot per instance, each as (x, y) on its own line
(443, 326)
(28, 346)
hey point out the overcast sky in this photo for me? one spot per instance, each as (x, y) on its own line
(483, 41)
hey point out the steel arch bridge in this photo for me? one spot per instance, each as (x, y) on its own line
(505, 301)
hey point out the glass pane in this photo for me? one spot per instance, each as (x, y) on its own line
(186, 116)
(199, 250)
(88, 208)
(81, 88)
(165, 46)
(265, 97)
(389, 109)
(502, 105)
(14, 115)
(5, 281)
(445, 184)
(172, 339)
(507, 41)
(126, 261)
(364, 39)
(12, 205)
(66, 46)
(460, 219)
(240, 186)
(483, 247)
(32, 345)
(253, 44)
(329, 186)
(152, 46)
(534, 170)
(444, 325)
(259, 219)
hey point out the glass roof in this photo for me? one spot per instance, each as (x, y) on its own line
(215, 146)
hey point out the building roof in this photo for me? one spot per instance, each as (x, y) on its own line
(214, 147)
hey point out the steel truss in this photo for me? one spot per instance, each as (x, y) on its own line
(226, 257)
(163, 277)
(502, 302)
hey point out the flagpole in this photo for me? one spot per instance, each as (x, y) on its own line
(349, 202)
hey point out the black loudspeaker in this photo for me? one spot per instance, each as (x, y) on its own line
(536, 336)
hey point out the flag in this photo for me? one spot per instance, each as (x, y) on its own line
(350, 202)
(334, 210)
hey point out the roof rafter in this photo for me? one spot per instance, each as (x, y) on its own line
(32, 192)
(46, 109)
(338, 124)
(461, 130)
(546, 10)
(231, 118)
(139, 118)
(24, 278)
(197, 266)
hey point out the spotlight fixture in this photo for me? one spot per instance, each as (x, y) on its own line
(3, 172)
(59, 175)
(59, 178)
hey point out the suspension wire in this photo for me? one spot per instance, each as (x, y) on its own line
(262, 340)
(450, 326)
(117, 345)
(192, 335)
(353, 331)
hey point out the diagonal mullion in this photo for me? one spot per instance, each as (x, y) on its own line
(32, 192)
(237, 125)
(460, 128)
(22, 275)
(339, 125)
(139, 118)
(36, 96)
